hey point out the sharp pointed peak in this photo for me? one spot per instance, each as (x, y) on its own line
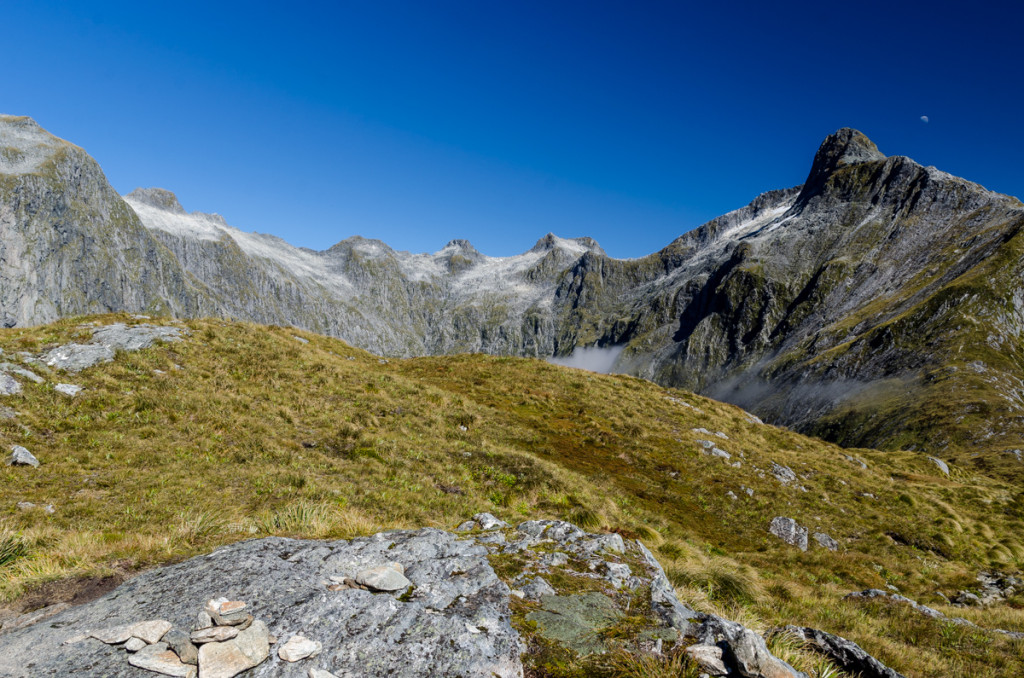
(847, 146)
(843, 148)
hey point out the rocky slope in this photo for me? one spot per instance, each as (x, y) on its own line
(878, 304)
(404, 603)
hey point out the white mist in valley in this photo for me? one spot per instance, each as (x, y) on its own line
(592, 358)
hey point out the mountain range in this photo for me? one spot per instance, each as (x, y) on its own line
(880, 304)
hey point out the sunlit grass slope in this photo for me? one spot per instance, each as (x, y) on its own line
(242, 430)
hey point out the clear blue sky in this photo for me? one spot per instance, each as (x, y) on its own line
(418, 122)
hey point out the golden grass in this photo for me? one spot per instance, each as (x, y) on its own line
(242, 431)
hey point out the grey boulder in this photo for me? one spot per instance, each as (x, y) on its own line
(9, 385)
(70, 390)
(941, 465)
(826, 541)
(76, 357)
(22, 457)
(743, 651)
(663, 595)
(21, 372)
(122, 337)
(789, 531)
(846, 653)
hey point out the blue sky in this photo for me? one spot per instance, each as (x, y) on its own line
(419, 122)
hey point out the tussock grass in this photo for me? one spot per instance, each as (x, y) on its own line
(722, 580)
(241, 431)
(630, 663)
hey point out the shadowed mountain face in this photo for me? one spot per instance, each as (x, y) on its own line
(878, 304)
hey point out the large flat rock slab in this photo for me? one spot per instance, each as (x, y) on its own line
(106, 341)
(455, 621)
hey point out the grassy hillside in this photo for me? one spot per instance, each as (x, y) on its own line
(242, 431)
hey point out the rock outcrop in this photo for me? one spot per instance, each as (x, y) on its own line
(106, 341)
(845, 653)
(453, 619)
(271, 607)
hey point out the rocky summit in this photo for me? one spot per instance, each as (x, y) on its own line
(836, 307)
(276, 612)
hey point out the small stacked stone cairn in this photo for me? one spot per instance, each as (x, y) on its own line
(225, 640)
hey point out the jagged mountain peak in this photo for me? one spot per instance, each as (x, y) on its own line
(157, 197)
(843, 148)
(458, 246)
(848, 146)
(575, 245)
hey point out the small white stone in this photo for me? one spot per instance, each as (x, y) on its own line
(159, 659)
(214, 634)
(151, 631)
(203, 621)
(22, 457)
(383, 578)
(135, 644)
(298, 648)
(70, 390)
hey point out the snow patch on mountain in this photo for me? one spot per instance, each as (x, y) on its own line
(763, 222)
(211, 227)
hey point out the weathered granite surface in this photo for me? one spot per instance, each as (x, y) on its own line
(454, 622)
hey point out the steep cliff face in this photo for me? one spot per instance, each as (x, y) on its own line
(879, 304)
(68, 243)
(882, 308)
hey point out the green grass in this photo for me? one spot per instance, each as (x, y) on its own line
(245, 431)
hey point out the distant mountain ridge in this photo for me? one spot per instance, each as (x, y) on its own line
(881, 303)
